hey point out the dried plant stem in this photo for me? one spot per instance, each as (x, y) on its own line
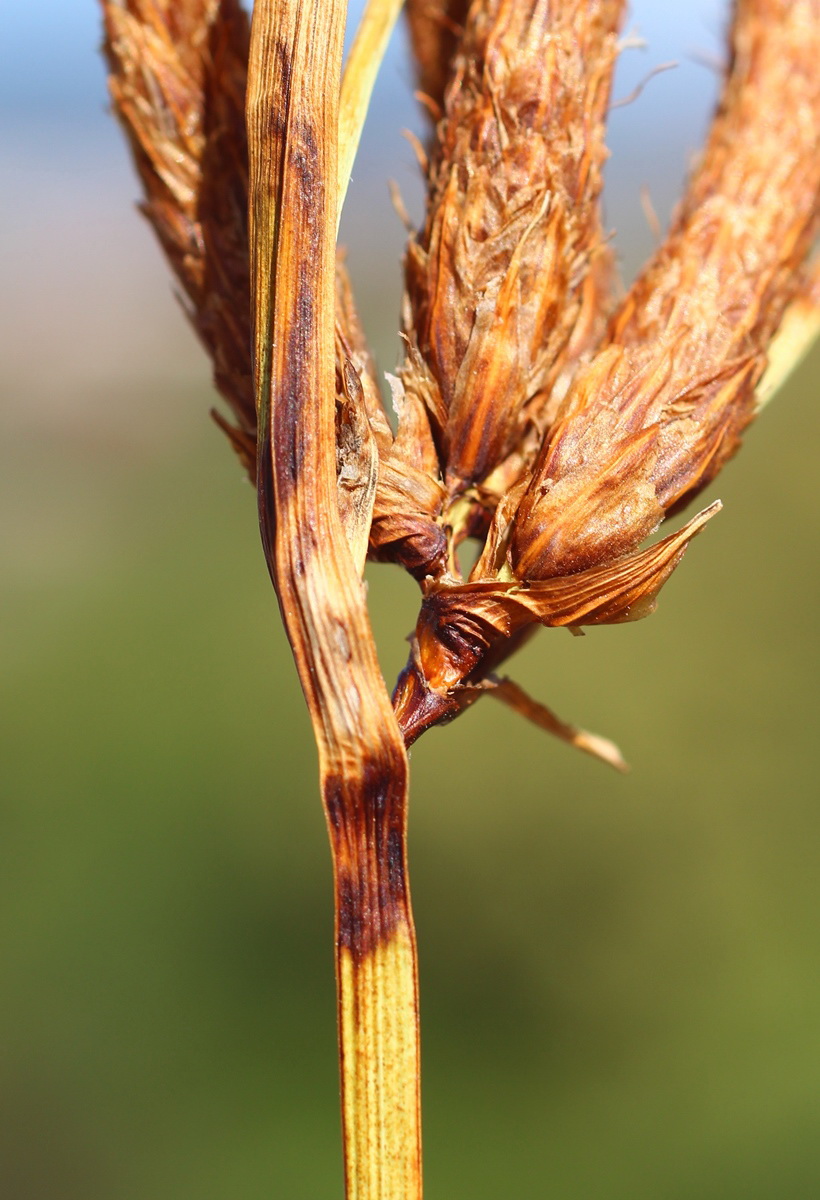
(378, 1037)
(293, 96)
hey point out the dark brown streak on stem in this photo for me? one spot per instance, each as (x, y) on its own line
(370, 862)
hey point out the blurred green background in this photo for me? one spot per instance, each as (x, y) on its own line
(620, 976)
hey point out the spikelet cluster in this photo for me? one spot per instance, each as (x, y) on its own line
(538, 411)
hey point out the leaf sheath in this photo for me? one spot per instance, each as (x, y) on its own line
(293, 93)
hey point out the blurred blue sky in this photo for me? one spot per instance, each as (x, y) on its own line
(48, 64)
(51, 74)
(53, 105)
(77, 261)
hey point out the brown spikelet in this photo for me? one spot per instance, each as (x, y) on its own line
(662, 406)
(177, 79)
(410, 495)
(496, 279)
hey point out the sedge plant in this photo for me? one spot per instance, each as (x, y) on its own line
(543, 412)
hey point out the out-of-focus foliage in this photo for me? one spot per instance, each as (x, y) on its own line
(620, 977)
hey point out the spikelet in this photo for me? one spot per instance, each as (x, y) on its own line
(498, 276)
(178, 70)
(178, 75)
(662, 405)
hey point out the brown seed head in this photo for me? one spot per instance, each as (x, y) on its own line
(658, 409)
(525, 420)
